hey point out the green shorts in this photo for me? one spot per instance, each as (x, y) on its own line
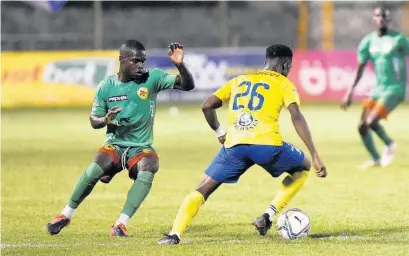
(383, 103)
(127, 157)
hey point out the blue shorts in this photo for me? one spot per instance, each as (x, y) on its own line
(230, 163)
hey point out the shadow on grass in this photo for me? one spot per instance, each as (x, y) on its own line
(199, 228)
(373, 232)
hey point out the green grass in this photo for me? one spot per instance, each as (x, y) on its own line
(353, 212)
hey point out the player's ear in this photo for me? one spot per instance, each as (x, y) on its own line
(121, 59)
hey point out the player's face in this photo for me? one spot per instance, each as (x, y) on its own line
(133, 62)
(381, 18)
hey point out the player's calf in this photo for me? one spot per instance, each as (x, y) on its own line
(369, 145)
(142, 170)
(363, 128)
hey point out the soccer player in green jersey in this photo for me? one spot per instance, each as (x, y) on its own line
(125, 103)
(387, 50)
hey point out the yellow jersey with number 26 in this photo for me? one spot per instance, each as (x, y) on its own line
(255, 104)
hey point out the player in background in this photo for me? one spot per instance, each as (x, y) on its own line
(253, 137)
(387, 49)
(126, 103)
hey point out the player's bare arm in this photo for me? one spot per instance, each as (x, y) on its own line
(346, 101)
(98, 122)
(303, 131)
(184, 81)
(209, 107)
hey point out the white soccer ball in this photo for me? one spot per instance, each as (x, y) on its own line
(173, 111)
(293, 224)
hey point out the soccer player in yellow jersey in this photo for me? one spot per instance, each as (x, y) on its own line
(253, 137)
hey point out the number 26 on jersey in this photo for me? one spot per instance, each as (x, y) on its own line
(251, 90)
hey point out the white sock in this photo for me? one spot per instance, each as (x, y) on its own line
(175, 233)
(68, 211)
(271, 211)
(123, 219)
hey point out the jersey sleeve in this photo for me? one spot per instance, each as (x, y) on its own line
(363, 50)
(164, 80)
(224, 92)
(290, 94)
(99, 107)
(406, 45)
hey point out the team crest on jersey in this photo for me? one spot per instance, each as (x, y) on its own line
(109, 147)
(245, 122)
(146, 151)
(143, 93)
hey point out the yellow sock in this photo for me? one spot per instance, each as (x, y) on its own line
(289, 188)
(187, 211)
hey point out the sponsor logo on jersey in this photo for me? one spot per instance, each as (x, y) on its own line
(384, 48)
(143, 93)
(117, 98)
(245, 122)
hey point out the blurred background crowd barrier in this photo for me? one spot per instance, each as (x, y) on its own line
(55, 53)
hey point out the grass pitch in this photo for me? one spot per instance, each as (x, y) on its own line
(353, 212)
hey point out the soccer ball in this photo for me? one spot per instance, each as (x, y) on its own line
(293, 224)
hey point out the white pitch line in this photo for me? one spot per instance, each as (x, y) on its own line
(36, 245)
(91, 197)
(235, 241)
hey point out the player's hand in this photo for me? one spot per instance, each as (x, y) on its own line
(319, 167)
(222, 139)
(346, 101)
(112, 114)
(175, 53)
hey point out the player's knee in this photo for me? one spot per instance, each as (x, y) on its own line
(146, 164)
(363, 129)
(133, 173)
(204, 193)
(104, 161)
(306, 164)
(151, 166)
(207, 187)
(106, 178)
(374, 125)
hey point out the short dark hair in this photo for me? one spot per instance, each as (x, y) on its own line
(278, 51)
(134, 44)
(384, 9)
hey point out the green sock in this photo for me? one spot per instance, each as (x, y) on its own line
(369, 145)
(85, 184)
(380, 131)
(138, 192)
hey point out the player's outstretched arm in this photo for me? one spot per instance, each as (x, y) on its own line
(184, 81)
(346, 101)
(209, 107)
(363, 57)
(303, 131)
(98, 122)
